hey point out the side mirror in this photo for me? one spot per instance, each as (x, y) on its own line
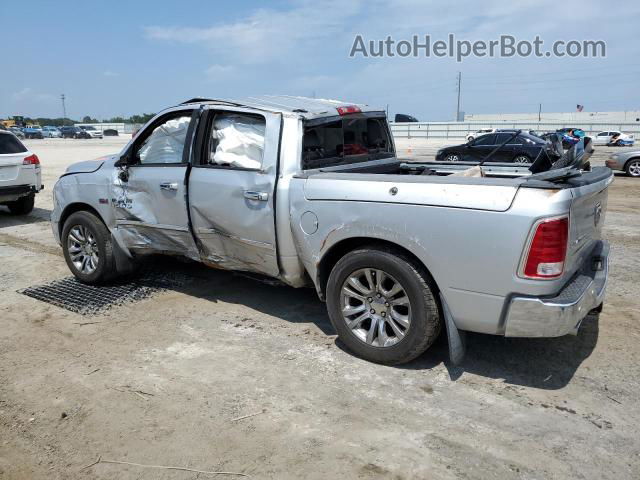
(123, 161)
(123, 175)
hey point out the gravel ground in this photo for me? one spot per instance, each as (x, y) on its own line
(167, 380)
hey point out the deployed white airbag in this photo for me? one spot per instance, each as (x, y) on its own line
(166, 142)
(240, 141)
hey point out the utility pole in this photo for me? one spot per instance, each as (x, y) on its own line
(64, 109)
(539, 111)
(458, 105)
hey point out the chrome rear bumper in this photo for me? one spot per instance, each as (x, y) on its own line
(563, 313)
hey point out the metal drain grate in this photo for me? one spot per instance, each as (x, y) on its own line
(77, 297)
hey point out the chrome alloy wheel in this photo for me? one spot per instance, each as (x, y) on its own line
(452, 157)
(634, 168)
(375, 307)
(521, 159)
(83, 249)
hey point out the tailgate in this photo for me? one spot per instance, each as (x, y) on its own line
(588, 208)
(10, 165)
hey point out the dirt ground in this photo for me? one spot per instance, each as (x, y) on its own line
(167, 380)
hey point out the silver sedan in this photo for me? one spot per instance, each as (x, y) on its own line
(628, 162)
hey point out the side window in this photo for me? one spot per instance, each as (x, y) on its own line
(603, 134)
(237, 140)
(503, 137)
(485, 140)
(165, 143)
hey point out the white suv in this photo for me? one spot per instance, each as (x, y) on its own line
(20, 175)
(92, 131)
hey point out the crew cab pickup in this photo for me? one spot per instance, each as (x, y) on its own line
(311, 192)
(20, 175)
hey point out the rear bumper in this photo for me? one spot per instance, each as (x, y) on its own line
(563, 313)
(14, 192)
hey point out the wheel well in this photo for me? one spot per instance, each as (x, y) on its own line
(343, 247)
(73, 208)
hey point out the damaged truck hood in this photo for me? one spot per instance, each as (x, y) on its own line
(88, 166)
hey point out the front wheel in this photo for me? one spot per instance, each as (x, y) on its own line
(452, 157)
(633, 168)
(383, 306)
(87, 247)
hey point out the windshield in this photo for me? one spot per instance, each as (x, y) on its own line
(351, 139)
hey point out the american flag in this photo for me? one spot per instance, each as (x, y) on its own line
(579, 107)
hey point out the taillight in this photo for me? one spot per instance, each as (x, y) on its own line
(348, 109)
(547, 252)
(31, 160)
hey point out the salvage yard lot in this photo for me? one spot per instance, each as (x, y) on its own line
(168, 380)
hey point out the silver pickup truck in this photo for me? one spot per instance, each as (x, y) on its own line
(311, 192)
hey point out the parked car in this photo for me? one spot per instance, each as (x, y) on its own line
(523, 148)
(92, 131)
(51, 132)
(20, 175)
(110, 132)
(74, 132)
(628, 162)
(16, 131)
(483, 131)
(613, 138)
(404, 118)
(32, 131)
(395, 252)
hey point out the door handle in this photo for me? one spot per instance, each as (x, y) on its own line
(260, 196)
(172, 187)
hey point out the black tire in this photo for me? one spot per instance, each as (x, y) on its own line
(632, 168)
(106, 268)
(425, 322)
(22, 206)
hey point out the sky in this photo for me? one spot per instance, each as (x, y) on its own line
(118, 58)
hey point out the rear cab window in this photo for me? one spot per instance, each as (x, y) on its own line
(344, 140)
(9, 144)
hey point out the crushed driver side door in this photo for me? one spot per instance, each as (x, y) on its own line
(150, 205)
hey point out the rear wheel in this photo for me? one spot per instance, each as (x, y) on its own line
(22, 206)
(383, 306)
(522, 159)
(633, 168)
(86, 243)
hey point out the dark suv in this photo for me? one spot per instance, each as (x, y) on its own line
(74, 132)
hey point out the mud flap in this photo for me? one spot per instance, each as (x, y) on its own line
(457, 339)
(124, 262)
